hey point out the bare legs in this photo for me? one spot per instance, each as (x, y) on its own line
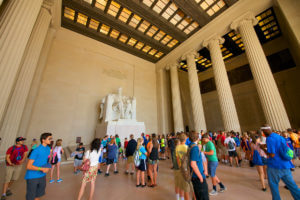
(82, 188)
(57, 171)
(6, 186)
(140, 174)
(262, 175)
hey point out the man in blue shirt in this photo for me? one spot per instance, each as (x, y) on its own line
(198, 177)
(278, 168)
(37, 167)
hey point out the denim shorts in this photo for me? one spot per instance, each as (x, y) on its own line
(212, 167)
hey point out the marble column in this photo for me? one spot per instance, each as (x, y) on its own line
(195, 93)
(16, 23)
(176, 101)
(19, 96)
(267, 89)
(35, 85)
(228, 110)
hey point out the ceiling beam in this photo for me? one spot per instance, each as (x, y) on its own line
(79, 28)
(192, 9)
(230, 2)
(99, 15)
(151, 16)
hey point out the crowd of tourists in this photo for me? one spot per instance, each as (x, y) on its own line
(195, 158)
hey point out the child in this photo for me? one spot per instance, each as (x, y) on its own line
(78, 157)
(57, 152)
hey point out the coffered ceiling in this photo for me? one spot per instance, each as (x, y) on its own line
(149, 29)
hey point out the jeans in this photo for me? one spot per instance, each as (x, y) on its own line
(200, 189)
(274, 176)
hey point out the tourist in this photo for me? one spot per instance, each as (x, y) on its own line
(142, 167)
(33, 146)
(91, 157)
(295, 138)
(153, 160)
(112, 150)
(245, 144)
(278, 167)
(211, 154)
(163, 147)
(37, 168)
(15, 157)
(180, 183)
(289, 142)
(230, 145)
(125, 143)
(78, 157)
(238, 148)
(259, 160)
(198, 176)
(221, 146)
(130, 149)
(171, 145)
(57, 152)
(119, 145)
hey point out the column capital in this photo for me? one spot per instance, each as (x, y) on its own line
(248, 16)
(212, 38)
(193, 53)
(48, 5)
(172, 65)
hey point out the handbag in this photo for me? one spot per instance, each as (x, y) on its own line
(85, 166)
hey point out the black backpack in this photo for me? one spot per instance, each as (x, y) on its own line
(54, 159)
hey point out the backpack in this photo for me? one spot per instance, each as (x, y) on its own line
(185, 165)
(285, 152)
(136, 158)
(54, 159)
(230, 145)
(219, 142)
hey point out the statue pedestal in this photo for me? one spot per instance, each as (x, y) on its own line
(122, 127)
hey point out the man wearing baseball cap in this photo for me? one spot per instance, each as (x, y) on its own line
(15, 157)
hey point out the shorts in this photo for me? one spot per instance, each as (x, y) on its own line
(152, 162)
(130, 159)
(91, 174)
(77, 163)
(232, 153)
(142, 167)
(35, 188)
(183, 184)
(176, 177)
(212, 168)
(59, 160)
(163, 150)
(109, 161)
(239, 151)
(12, 173)
(224, 151)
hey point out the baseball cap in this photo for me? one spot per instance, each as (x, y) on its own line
(20, 139)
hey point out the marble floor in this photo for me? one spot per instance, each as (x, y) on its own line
(242, 183)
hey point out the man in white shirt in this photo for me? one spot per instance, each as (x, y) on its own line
(230, 145)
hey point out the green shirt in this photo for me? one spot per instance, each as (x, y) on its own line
(208, 147)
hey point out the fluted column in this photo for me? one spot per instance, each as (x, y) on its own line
(268, 92)
(16, 23)
(19, 96)
(176, 101)
(228, 110)
(195, 93)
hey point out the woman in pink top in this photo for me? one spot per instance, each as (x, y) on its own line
(259, 160)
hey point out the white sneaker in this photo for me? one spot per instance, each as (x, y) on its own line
(223, 189)
(213, 192)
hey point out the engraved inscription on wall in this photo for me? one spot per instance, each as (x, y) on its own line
(115, 73)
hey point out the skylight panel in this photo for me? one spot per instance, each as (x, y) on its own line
(184, 23)
(211, 6)
(152, 52)
(69, 13)
(104, 29)
(146, 48)
(152, 31)
(124, 15)
(144, 25)
(88, 1)
(123, 38)
(113, 9)
(94, 24)
(148, 2)
(169, 11)
(191, 28)
(101, 4)
(135, 20)
(131, 41)
(177, 17)
(160, 5)
(172, 43)
(166, 39)
(139, 45)
(82, 19)
(114, 34)
(159, 35)
(159, 54)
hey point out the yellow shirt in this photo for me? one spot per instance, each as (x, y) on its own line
(180, 151)
(295, 139)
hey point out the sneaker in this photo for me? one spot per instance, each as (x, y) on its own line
(264, 189)
(3, 197)
(222, 189)
(131, 173)
(51, 181)
(106, 174)
(59, 180)
(213, 193)
(116, 172)
(126, 172)
(8, 193)
(99, 171)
